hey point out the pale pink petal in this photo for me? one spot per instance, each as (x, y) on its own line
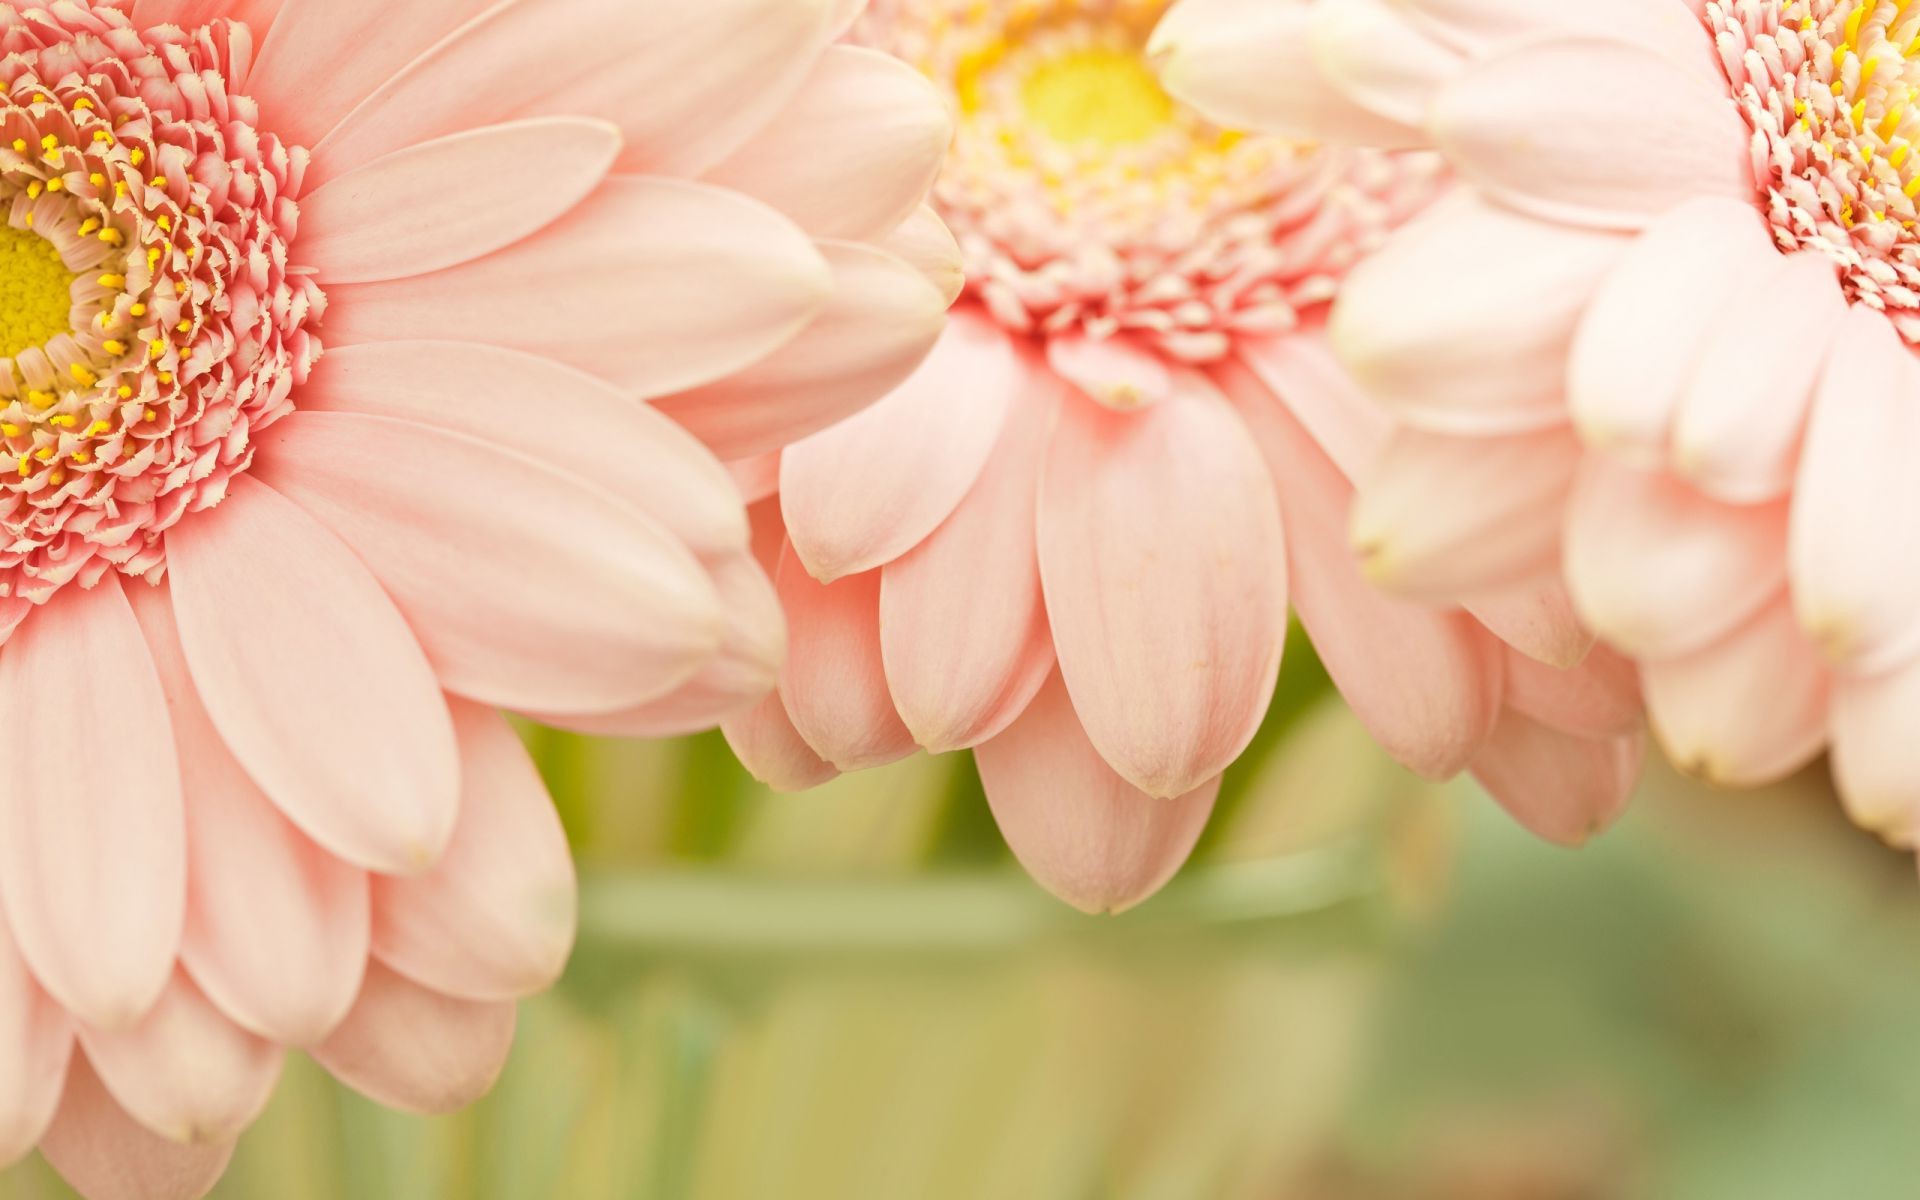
(864, 492)
(653, 284)
(1670, 27)
(277, 929)
(924, 242)
(771, 749)
(1639, 343)
(686, 83)
(1114, 371)
(36, 1038)
(1425, 682)
(495, 919)
(411, 1048)
(835, 685)
(757, 478)
(325, 56)
(1600, 698)
(1539, 622)
(1445, 518)
(853, 153)
(1597, 168)
(93, 852)
(883, 318)
(1379, 60)
(624, 446)
(1302, 371)
(1740, 424)
(1248, 64)
(1749, 709)
(1876, 757)
(1561, 787)
(314, 680)
(1164, 567)
(1463, 322)
(191, 14)
(1085, 834)
(528, 589)
(185, 1071)
(1856, 504)
(753, 646)
(442, 203)
(1660, 570)
(104, 1154)
(963, 627)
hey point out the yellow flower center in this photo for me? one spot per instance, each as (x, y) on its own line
(1097, 94)
(36, 291)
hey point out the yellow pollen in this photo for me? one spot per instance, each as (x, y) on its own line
(36, 291)
(1097, 95)
(82, 376)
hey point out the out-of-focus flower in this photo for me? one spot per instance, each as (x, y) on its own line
(261, 606)
(1067, 540)
(1666, 332)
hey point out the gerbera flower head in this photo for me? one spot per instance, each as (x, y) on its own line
(1067, 541)
(1686, 362)
(328, 331)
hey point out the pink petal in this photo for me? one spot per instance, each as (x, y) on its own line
(1639, 342)
(1248, 64)
(92, 843)
(1740, 424)
(36, 1039)
(853, 153)
(1747, 710)
(1425, 682)
(442, 203)
(653, 284)
(771, 749)
(687, 84)
(1373, 55)
(277, 929)
(323, 57)
(861, 494)
(924, 243)
(529, 589)
(1444, 518)
(1539, 622)
(763, 737)
(495, 919)
(416, 1050)
(963, 626)
(883, 319)
(1598, 168)
(753, 647)
(1876, 759)
(1561, 787)
(1669, 27)
(1856, 507)
(1660, 570)
(1464, 320)
(304, 664)
(623, 446)
(1164, 567)
(835, 687)
(1598, 699)
(191, 14)
(104, 1154)
(1303, 373)
(1082, 832)
(1113, 371)
(186, 1072)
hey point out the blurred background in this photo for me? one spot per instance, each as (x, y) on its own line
(1365, 988)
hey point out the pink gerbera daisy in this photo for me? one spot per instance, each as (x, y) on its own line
(260, 606)
(1067, 541)
(1666, 334)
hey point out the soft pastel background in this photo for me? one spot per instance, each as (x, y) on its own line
(1365, 989)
